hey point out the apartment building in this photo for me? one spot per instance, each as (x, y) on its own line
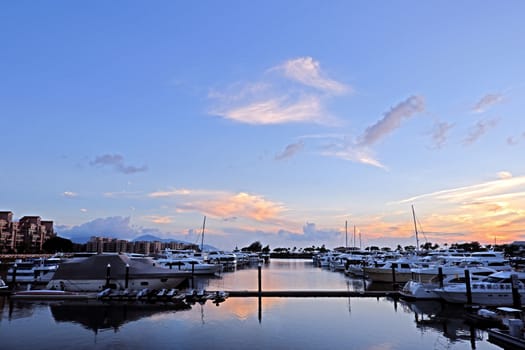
(27, 235)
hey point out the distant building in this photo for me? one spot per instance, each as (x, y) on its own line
(113, 245)
(27, 235)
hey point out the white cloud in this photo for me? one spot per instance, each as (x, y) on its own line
(279, 111)
(307, 71)
(486, 102)
(392, 120)
(69, 194)
(298, 98)
(504, 175)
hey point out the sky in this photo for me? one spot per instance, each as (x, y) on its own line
(292, 123)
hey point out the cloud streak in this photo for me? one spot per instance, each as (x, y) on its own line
(440, 133)
(392, 120)
(290, 150)
(279, 111)
(479, 130)
(116, 161)
(486, 102)
(505, 186)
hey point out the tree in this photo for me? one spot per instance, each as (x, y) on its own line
(254, 247)
(57, 244)
(266, 249)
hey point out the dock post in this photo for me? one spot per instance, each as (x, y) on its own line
(440, 276)
(259, 266)
(393, 275)
(516, 299)
(13, 280)
(108, 274)
(469, 290)
(127, 277)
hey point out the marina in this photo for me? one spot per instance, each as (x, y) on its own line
(299, 306)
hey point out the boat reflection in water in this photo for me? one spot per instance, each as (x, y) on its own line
(97, 316)
(447, 319)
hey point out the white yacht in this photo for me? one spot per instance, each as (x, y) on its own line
(191, 265)
(32, 270)
(227, 260)
(3, 286)
(495, 290)
(402, 267)
(418, 290)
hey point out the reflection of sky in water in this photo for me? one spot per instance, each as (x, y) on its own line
(286, 323)
(283, 274)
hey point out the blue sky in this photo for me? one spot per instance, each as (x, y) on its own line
(278, 121)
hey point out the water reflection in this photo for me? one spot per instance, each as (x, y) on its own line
(97, 316)
(447, 319)
(247, 322)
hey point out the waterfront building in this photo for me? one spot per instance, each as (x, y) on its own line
(27, 235)
(113, 245)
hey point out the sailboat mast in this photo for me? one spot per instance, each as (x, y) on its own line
(354, 236)
(346, 233)
(202, 236)
(415, 229)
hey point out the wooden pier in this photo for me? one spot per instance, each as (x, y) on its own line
(313, 294)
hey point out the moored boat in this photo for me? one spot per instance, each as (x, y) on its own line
(115, 271)
(495, 290)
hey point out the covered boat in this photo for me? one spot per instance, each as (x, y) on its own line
(115, 271)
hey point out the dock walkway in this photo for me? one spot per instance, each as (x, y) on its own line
(312, 293)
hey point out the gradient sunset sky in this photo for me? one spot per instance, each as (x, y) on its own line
(277, 120)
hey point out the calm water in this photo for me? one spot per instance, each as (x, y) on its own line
(244, 323)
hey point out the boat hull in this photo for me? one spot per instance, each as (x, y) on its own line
(386, 276)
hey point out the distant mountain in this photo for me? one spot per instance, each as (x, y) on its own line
(79, 239)
(151, 238)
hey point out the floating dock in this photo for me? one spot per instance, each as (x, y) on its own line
(313, 294)
(57, 295)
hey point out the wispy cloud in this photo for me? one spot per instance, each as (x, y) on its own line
(116, 161)
(308, 71)
(310, 233)
(69, 194)
(279, 111)
(360, 150)
(392, 120)
(354, 154)
(479, 130)
(170, 193)
(505, 185)
(486, 102)
(515, 140)
(440, 133)
(297, 93)
(156, 219)
(290, 150)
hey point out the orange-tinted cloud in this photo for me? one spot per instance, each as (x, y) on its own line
(240, 205)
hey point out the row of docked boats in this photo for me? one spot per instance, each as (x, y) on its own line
(439, 275)
(91, 272)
